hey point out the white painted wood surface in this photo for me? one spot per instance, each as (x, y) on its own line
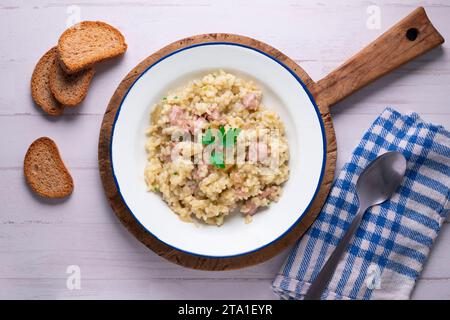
(40, 239)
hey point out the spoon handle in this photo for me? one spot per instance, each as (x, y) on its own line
(321, 281)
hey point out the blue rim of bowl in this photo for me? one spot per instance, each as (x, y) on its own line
(311, 98)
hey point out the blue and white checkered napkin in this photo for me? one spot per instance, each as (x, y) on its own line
(388, 252)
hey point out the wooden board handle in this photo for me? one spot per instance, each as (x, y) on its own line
(411, 37)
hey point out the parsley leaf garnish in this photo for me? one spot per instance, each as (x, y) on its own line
(226, 139)
(229, 139)
(208, 138)
(217, 160)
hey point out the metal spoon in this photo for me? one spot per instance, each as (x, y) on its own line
(375, 185)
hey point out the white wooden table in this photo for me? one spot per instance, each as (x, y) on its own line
(40, 239)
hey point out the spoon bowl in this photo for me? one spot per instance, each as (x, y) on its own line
(380, 179)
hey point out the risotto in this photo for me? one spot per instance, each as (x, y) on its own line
(214, 149)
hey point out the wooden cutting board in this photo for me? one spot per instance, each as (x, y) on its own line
(411, 37)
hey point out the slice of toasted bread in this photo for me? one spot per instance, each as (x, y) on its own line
(89, 42)
(45, 171)
(69, 89)
(40, 84)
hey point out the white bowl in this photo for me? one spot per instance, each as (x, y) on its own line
(282, 90)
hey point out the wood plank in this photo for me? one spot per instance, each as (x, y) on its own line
(45, 249)
(331, 24)
(436, 289)
(102, 251)
(76, 137)
(318, 53)
(137, 289)
(172, 289)
(87, 204)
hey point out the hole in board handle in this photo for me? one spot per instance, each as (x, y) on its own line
(412, 34)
